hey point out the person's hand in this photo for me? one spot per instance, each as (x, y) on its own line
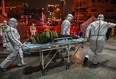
(87, 39)
(114, 25)
(20, 45)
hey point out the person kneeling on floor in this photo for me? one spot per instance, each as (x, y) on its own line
(97, 32)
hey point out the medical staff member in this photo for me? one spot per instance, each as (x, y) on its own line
(13, 46)
(97, 33)
(65, 31)
(65, 26)
(3, 29)
(33, 29)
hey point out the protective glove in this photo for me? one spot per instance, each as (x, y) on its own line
(87, 39)
(115, 25)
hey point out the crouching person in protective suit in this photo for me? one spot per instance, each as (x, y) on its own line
(97, 33)
(13, 46)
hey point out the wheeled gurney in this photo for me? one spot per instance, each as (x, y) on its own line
(59, 44)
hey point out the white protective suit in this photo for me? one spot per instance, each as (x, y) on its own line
(13, 45)
(97, 33)
(65, 27)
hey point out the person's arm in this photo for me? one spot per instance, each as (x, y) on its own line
(0, 31)
(64, 28)
(12, 37)
(88, 31)
(110, 25)
(18, 36)
(67, 31)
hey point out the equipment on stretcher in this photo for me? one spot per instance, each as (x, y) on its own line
(59, 44)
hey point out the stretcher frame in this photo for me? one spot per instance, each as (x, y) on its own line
(56, 45)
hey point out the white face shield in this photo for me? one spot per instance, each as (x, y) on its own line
(13, 22)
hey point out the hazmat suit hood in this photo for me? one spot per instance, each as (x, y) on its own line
(65, 27)
(12, 22)
(100, 17)
(69, 17)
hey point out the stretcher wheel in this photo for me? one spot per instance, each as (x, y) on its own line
(82, 46)
(68, 66)
(44, 72)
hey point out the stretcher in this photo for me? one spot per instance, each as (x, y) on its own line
(59, 44)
